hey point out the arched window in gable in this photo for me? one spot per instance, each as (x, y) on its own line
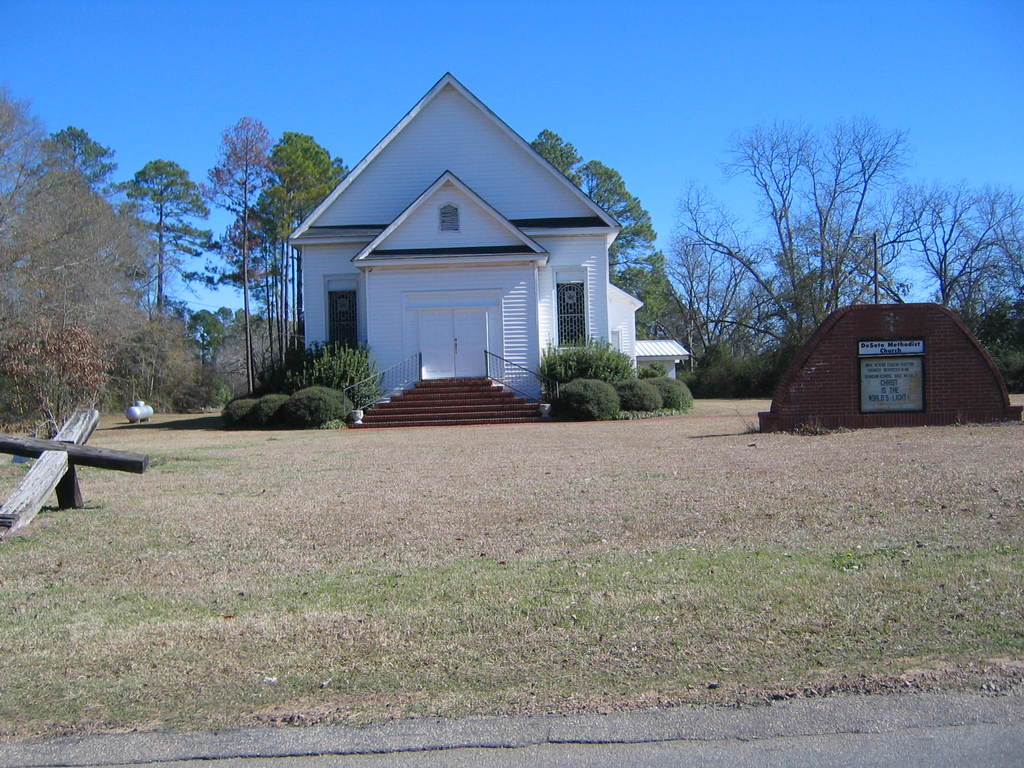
(449, 218)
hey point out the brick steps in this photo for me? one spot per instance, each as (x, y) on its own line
(449, 402)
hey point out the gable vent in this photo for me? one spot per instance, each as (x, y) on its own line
(449, 218)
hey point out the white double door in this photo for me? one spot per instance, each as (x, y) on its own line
(452, 342)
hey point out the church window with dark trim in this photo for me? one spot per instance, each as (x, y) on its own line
(342, 318)
(572, 314)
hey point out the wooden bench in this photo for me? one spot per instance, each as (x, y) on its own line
(54, 468)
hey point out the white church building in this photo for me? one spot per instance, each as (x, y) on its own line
(454, 242)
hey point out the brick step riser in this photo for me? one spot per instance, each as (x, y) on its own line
(495, 397)
(403, 408)
(440, 391)
(442, 401)
(369, 419)
(448, 423)
(434, 383)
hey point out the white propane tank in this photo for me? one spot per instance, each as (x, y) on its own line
(138, 411)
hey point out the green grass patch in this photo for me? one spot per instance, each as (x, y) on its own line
(483, 635)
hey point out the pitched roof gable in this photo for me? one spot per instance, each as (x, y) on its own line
(500, 236)
(448, 81)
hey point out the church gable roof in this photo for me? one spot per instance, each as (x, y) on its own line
(449, 219)
(450, 128)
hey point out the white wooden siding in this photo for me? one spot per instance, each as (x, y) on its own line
(477, 226)
(622, 318)
(394, 294)
(452, 134)
(576, 257)
(322, 264)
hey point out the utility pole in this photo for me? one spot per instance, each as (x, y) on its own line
(874, 252)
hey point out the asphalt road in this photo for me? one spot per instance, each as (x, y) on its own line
(900, 730)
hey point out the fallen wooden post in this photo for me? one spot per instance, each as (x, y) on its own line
(82, 455)
(54, 468)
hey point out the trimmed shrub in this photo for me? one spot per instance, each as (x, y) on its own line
(638, 395)
(312, 407)
(236, 413)
(674, 393)
(586, 400)
(594, 360)
(264, 413)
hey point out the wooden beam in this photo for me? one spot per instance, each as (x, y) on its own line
(82, 455)
(44, 475)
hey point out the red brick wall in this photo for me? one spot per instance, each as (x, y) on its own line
(821, 388)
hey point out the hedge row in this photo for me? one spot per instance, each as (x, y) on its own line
(593, 399)
(308, 408)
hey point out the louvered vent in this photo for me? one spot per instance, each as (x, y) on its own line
(449, 218)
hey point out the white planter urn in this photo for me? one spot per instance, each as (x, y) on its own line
(356, 417)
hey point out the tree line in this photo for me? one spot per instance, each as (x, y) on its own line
(837, 221)
(100, 262)
(88, 258)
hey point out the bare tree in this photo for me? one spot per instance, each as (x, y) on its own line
(818, 194)
(714, 294)
(962, 239)
(235, 185)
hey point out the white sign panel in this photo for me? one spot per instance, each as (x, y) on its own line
(896, 384)
(891, 347)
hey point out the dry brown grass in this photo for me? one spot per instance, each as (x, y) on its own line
(497, 568)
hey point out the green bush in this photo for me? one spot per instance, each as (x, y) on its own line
(264, 413)
(721, 374)
(325, 365)
(594, 360)
(652, 371)
(586, 400)
(312, 407)
(674, 393)
(638, 395)
(236, 413)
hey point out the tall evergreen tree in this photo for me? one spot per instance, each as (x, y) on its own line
(168, 198)
(560, 153)
(303, 174)
(75, 149)
(633, 264)
(605, 186)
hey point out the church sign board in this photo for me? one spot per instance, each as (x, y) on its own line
(886, 365)
(891, 375)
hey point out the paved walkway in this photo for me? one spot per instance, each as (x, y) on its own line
(899, 730)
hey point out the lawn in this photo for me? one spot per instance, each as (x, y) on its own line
(351, 576)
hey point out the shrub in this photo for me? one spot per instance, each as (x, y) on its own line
(264, 412)
(328, 365)
(652, 371)
(236, 413)
(586, 400)
(638, 395)
(674, 393)
(721, 374)
(48, 370)
(594, 360)
(312, 407)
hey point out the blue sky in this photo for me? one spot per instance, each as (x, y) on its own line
(654, 89)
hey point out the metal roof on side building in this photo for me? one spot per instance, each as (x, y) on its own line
(660, 348)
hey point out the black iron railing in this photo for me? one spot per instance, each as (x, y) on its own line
(386, 383)
(527, 383)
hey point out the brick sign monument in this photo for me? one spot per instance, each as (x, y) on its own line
(887, 365)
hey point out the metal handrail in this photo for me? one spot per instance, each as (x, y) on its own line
(385, 383)
(513, 376)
